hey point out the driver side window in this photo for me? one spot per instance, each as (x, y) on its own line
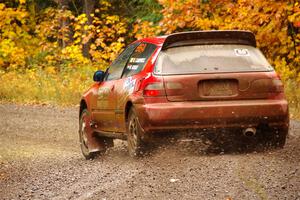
(116, 68)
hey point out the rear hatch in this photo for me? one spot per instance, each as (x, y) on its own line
(216, 72)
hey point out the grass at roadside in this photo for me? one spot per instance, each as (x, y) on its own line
(292, 91)
(45, 86)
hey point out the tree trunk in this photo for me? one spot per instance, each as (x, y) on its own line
(64, 24)
(88, 9)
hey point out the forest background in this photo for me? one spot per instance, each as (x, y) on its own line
(49, 49)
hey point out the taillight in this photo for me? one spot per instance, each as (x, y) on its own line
(277, 89)
(269, 87)
(278, 85)
(152, 86)
(151, 93)
(154, 89)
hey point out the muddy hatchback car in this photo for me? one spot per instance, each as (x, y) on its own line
(196, 81)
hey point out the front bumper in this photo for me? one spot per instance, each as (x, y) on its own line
(213, 114)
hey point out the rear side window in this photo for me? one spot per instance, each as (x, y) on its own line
(138, 59)
(211, 59)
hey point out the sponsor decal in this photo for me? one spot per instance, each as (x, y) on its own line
(137, 60)
(132, 67)
(129, 84)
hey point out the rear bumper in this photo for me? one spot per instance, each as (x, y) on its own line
(213, 114)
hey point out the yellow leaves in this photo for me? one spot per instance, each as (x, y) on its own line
(106, 32)
(294, 17)
(282, 67)
(22, 1)
(11, 54)
(74, 54)
(82, 19)
(112, 19)
(93, 47)
(121, 39)
(2, 6)
(85, 27)
(104, 5)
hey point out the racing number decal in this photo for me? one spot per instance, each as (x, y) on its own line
(241, 52)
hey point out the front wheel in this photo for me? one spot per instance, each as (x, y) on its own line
(134, 133)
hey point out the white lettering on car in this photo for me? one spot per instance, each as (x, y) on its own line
(132, 67)
(137, 60)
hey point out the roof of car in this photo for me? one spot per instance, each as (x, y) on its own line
(203, 37)
(158, 40)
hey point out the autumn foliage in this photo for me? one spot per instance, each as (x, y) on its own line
(41, 47)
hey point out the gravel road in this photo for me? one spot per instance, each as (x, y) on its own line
(40, 159)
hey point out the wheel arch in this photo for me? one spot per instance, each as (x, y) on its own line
(128, 106)
(83, 105)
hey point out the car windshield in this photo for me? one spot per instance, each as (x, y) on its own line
(211, 59)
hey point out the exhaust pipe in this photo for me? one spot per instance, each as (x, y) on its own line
(249, 132)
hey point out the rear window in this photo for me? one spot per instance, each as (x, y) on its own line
(211, 59)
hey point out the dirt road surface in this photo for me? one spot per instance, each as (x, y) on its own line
(40, 159)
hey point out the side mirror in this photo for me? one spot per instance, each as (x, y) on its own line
(99, 76)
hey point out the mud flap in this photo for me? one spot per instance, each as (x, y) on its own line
(94, 143)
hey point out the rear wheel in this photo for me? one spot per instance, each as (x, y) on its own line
(134, 135)
(279, 138)
(275, 138)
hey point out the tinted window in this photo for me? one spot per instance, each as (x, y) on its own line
(116, 68)
(211, 59)
(139, 59)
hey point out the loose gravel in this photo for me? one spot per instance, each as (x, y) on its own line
(40, 159)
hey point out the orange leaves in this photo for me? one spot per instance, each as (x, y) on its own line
(267, 19)
(276, 25)
(143, 29)
(178, 14)
(295, 16)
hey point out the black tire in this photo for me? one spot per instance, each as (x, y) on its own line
(276, 138)
(83, 138)
(279, 139)
(134, 135)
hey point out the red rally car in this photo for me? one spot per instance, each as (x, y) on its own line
(184, 81)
